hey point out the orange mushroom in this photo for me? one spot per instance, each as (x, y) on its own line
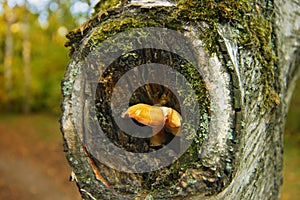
(146, 114)
(157, 117)
(173, 121)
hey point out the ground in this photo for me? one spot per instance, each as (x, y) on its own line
(33, 165)
(32, 162)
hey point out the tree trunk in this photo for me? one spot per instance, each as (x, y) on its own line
(26, 60)
(229, 69)
(8, 55)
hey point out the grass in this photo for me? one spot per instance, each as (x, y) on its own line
(40, 126)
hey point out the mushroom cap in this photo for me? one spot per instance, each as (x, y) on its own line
(173, 118)
(146, 114)
(157, 117)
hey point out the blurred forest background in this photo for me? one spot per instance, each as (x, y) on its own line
(33, 57)
(32, 63)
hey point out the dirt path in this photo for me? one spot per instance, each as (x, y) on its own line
(32, 162)
(27, 179)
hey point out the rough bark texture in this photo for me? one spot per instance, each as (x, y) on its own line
(229, 59)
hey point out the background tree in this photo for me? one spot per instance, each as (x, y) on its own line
(26, 59)
(9, 18)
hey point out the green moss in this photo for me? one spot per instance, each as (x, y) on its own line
(149, 197)
(117, 24)
(112, 27)
(105, 5)
(254, 25)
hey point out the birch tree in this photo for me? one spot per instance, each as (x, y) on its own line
(227, 67)
(8, 54)
(26, 59)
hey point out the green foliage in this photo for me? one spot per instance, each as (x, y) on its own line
(48, 59)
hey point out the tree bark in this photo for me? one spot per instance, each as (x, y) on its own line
(26, 60)
(231, 69)
(8, 55)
